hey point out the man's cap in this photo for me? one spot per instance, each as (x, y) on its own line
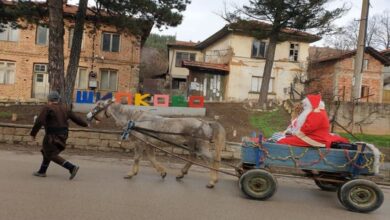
(53, 96)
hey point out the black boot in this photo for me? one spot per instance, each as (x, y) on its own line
(72, 169)
(42, 170)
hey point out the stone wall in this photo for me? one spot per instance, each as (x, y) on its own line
(96, 140)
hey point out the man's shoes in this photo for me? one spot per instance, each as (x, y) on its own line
(74, 172)
(38, 174)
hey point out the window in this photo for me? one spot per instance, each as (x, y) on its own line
(42, 35)
(71, 33)
(108, 80)
(9, 34)
(180, 56)
(82, 78)
(179, 83)
(259, 49)
(294, 49)
(110, 42)
(40, 68)
(365, 92)
(7, 72)
(256, 84)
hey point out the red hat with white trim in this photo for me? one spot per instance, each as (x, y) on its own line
(314, 100)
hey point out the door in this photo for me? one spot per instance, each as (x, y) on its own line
(209, 85)
(41, 81)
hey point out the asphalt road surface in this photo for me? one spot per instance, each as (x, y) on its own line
(99, 192)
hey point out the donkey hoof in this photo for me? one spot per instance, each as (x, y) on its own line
(210, 186)
(163, 175)
(128, 177)
(179, 177)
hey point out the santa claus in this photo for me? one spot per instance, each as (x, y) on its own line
(311, 128)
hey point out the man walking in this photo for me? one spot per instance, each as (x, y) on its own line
(54, 118)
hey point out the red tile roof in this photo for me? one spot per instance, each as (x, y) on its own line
(204, 65)
(344, 55)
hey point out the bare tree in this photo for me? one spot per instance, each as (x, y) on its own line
(378, 33)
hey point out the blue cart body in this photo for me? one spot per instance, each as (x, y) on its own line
(309, 158)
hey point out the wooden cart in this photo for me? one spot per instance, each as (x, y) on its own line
(338, 170)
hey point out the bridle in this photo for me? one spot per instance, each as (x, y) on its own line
(95, 111)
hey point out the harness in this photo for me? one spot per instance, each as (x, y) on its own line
(95, 111)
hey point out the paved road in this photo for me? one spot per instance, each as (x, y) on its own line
(99, 192)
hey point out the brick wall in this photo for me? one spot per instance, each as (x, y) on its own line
(334, 79)
(25, 53)
(96, 140)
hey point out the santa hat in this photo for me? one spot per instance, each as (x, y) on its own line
(314, 101)
(310, 103)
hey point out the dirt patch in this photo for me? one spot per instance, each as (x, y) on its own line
(233, 116)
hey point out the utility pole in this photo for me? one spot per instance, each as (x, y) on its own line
(361, 44)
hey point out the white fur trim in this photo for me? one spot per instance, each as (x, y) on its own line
(302, 117)
(377, 156)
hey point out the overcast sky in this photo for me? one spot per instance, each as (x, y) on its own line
(201, 18)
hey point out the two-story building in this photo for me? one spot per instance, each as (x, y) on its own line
(113, 56)
(333, 76)
(229, 65)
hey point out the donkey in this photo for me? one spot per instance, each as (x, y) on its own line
(200, 138)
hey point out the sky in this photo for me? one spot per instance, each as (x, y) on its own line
(201, 19)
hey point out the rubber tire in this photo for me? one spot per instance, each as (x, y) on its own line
(326, 186)
(259, 175)
(345, 199)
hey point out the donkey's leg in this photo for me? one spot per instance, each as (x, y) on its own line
(186, 167)
(215, 160)
(151, 154)
(138, 150)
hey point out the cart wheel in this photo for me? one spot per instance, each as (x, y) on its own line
(327, 186)
(360, 195)
(258, 184)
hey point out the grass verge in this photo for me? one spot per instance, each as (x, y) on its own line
(270, 122)
(377, 140)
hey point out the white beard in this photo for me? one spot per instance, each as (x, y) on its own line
(302, 117)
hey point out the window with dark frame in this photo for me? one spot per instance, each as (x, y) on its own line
(178, 83)
(180, 56)
(365, 92)
(259, 49)
(256, 84)
(110, 42)
(294, 51)
(42, 36)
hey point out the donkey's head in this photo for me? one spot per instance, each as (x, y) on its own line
(100, 110)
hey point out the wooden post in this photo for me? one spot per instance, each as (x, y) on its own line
(357, 76)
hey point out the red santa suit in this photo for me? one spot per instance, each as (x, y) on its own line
(312, 126)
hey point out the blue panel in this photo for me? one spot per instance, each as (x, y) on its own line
(84, 96)
(311, 158)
